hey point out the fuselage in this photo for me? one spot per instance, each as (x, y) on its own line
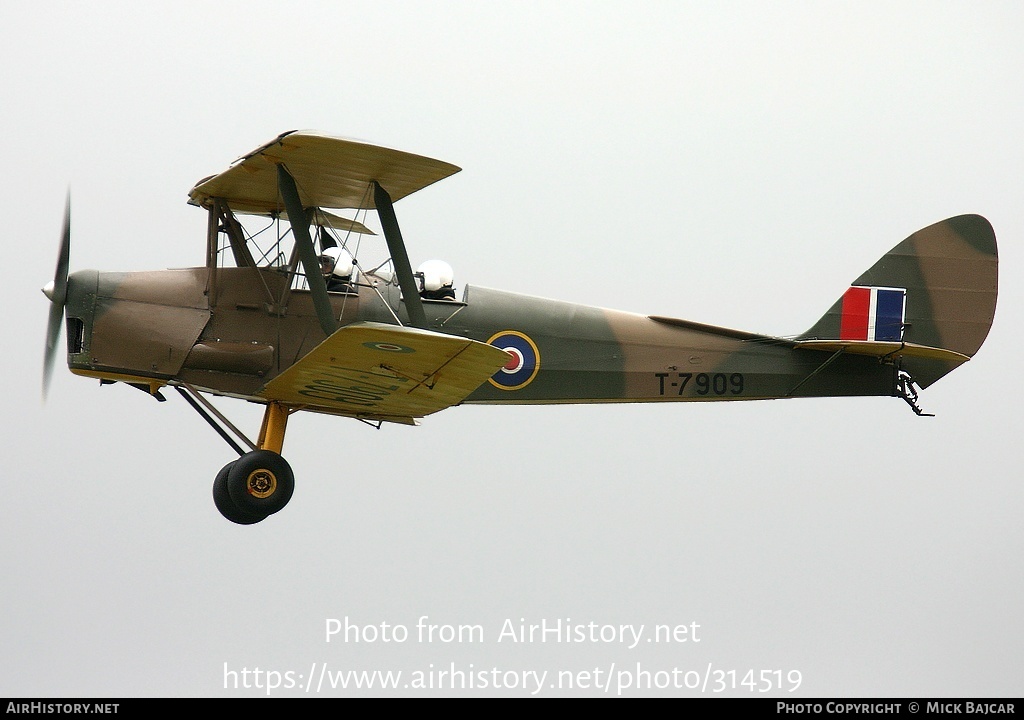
(232, 331)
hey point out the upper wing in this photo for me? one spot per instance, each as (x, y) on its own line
(386, 372)
(329, 173)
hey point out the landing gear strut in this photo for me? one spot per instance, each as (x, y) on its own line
(260, 482)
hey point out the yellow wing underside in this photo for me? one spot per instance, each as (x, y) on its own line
(385, 372)
(329, 173)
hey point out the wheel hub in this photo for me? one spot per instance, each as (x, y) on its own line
(261, 483)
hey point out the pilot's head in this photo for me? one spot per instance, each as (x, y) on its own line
(326, 265)
(435, 275)
(335, 261)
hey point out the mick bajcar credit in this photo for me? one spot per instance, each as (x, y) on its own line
(621, 677)
(912, 707)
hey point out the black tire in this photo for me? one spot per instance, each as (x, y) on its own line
(226, 506)
(260, 482)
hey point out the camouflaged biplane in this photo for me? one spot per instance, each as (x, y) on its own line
(293, 317)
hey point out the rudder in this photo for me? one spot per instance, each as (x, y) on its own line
(936, 289)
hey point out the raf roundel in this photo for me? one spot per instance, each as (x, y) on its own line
(524, 364)
(388, 347)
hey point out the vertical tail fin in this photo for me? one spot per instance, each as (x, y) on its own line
(936, 290)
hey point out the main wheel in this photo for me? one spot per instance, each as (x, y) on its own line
(260, 482)
(226, 506)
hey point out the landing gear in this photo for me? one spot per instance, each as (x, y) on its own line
(260, 482)
(226, 506)
(252, 487)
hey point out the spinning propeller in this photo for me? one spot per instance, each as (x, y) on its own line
(57, 292)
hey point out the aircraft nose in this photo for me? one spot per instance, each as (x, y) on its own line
(78, 294)
(50, 288)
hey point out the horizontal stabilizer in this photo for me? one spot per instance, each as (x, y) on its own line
(884, 349)
(386, 372)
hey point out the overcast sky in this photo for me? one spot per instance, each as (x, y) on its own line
(730, 163)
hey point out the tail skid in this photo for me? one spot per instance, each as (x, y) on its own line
(905, 389)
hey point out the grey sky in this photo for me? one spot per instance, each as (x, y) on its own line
(731, 163)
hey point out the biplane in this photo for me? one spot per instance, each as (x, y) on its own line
(293, 316)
